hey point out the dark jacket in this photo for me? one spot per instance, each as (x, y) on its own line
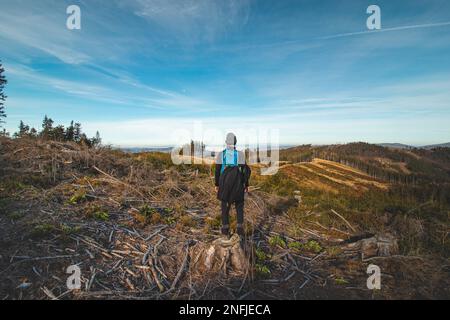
(233, 181)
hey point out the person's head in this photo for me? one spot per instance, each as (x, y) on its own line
(231, 140)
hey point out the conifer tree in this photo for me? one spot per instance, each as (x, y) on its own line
(47, 128)
(24, 130)
(2, 95)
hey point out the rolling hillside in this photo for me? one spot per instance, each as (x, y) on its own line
(333, 176)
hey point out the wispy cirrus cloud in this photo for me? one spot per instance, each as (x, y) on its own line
(138, 95)
(40, 30)
(400, 28)
(193, 20)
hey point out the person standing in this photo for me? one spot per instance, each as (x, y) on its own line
(232, 176)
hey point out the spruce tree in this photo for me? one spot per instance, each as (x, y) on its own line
(47, 128)
(58, 133)
(24, 130)
(69, 136)
(2, 95)
(77, 132)
(97, 140)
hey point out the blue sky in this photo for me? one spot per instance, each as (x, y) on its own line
(140, 69)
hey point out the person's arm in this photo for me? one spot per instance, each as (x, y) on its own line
(249, 173)
(217, 174)
(245, 168)
(218, 168)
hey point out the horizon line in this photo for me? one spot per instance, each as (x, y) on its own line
(288, 145)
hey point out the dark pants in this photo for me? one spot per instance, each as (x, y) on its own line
(226, 217)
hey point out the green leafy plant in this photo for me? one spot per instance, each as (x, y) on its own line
(341, 281)
(77, 197)
(262, 270)
(102, 215)
(97, 213)
(313, 246)
(170, 220)
(43, 229)
(260, 255)
(295, 245)
(68, 230)
(277, 241)
(147, 212)
(152, 215)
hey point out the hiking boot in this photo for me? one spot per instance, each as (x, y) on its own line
(240, 231)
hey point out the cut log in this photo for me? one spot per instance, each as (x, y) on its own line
(383, 245)
(221, 256)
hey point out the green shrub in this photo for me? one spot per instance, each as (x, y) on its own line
(68, 230)
(170, 220)
(97, 213)
(43, 229)
(312, 246)
(77, 197)
(101, 215)
(295, 245)
(260, 255)
(277, 241)
(262, 270)
(147, 212)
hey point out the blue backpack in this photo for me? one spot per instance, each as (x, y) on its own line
(224, 161)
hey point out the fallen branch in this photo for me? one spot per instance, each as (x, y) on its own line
(48, 293)
(348, 223)
(180, 272)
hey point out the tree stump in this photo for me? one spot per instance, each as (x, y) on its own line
(384, 245)
(219, 257)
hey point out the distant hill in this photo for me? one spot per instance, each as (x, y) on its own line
(396, 145)
(442, 145)
(400, 165)
(405, 146)
(147, 149)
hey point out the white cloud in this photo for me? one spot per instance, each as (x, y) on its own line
(33, 25)
(193, 20)
(111, 91)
